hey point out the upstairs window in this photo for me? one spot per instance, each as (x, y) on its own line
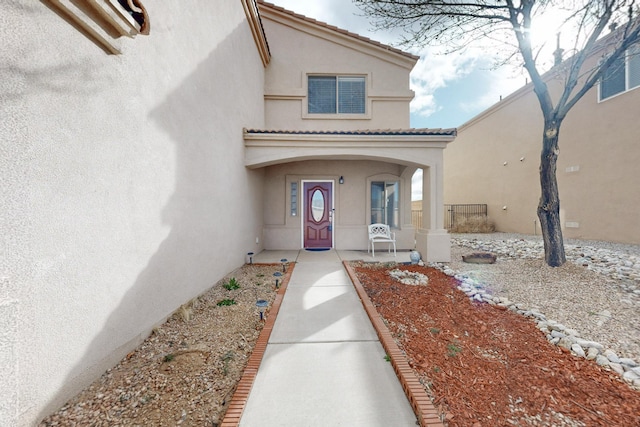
(622, 75)
(336, 95)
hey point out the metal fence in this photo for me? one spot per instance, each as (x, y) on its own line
(453, 214)
(416, 218)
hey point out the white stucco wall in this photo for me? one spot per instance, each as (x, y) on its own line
(120, 182)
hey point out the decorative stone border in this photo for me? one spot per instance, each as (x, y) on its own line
(409, 277)
(556, 333)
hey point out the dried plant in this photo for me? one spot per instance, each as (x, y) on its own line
(474, 224)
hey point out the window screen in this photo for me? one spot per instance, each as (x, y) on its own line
(351, 95)
(623, 75)
(322, 95)
(633, 61)
(613, 81)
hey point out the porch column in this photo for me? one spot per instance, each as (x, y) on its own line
(433, 240)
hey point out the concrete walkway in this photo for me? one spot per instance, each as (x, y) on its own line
(323, 365)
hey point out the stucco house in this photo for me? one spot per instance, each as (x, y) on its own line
(337, 121)
(147, 146)
(496, 156)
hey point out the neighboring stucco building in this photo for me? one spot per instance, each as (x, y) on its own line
(137, 170)
(496, 156)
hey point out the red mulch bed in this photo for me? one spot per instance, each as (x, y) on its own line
(487, 366)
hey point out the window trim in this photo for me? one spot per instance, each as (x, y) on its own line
(627, 55)
(337, 116)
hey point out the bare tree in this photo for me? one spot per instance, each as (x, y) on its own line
(456, 24)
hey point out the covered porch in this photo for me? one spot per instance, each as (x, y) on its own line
(361, 176)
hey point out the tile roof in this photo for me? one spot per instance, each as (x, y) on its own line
(339, 30)
(373, 132)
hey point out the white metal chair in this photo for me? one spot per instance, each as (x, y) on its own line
(381, 233)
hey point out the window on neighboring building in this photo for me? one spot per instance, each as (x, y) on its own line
(385, 203)
(622, 75)
(336, 95)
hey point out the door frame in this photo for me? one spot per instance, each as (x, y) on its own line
(303, 201)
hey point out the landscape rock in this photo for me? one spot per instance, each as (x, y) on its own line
(590, 344)
(592, 353)
(630, 376)
(628, 362)
(565, 342)
(612, 356)
(617, 368)
(601, 360)
(579, 351)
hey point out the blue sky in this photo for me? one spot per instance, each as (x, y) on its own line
(450, 89)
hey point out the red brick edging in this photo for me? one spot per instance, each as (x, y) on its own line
(418, 398)
(240, 396)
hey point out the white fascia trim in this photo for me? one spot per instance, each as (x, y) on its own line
(331, 140)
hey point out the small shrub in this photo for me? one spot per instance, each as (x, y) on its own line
(387, 358)
(453, 350)
(185, 312)
(169, 357)
(434, 331)
(473, 224)
(226, 358)
(231, 284)
(146, 399)
(226, 302)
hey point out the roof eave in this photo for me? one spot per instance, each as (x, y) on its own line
(359, 139)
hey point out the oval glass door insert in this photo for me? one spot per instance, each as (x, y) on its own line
(317, 205)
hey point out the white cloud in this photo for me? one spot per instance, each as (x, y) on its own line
(436, 71)
(501, 85)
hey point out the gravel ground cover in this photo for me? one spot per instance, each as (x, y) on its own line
(587, 294)
(185, 372)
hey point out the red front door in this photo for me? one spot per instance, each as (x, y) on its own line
(318, 215)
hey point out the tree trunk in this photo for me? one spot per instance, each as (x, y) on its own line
(549, 206)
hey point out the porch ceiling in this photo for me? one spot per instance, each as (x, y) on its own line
(412, 147)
